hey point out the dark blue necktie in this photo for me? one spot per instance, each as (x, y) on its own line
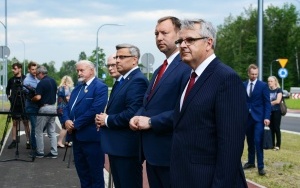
(117, 84)
(251, 89)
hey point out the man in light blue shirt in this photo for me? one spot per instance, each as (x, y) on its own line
(31, 107)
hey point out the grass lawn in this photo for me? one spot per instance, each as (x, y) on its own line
(282, 167)
(292, 103)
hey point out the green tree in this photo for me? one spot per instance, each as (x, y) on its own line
(68, 68)
(101, 60)
(237, 41)
(51, 70)
(82, 56)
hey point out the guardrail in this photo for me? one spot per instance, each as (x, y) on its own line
(295, 92)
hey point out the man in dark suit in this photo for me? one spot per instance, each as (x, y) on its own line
(111, 66)
(155, 118)
(210, 118)
(118, 141)
(87, 99)
(259, 106)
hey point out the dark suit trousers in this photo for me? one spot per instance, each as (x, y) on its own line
(126, 171)
(255, 136)
(89, 162)
(158, 176)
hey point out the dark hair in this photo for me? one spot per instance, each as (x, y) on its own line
(175, 21)
(19, 65)
(31, 64)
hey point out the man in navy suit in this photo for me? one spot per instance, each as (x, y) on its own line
(118, 140)
(87, 99)
(155, 118)
(111, 66)
(210, 118)
(259, 106)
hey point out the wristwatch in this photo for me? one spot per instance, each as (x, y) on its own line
(149, 122)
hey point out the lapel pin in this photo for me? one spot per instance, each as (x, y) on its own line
(86, 90)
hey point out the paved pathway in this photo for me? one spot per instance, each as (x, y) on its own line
(50, 172)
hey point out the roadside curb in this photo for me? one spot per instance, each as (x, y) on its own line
(252, 184)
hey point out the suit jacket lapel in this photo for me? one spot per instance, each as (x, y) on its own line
(124, 83)
(199, 83)
(84, 91)
(168, 72)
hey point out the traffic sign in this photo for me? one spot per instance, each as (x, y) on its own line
(282, 73)
(283, 62)
(147, 62)
(4, 52)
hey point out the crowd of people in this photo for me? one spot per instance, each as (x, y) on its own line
(188, 123)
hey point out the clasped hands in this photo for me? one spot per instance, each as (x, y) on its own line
(139, 123)
(100, 120)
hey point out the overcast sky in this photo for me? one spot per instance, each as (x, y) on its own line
(58, 30)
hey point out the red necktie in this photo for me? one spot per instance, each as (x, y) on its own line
(160, 73)
(191, 84)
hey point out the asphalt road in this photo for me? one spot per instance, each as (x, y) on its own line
(290, 123)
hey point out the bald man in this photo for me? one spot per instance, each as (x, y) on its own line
(112, 68)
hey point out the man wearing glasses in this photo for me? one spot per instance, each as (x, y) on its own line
(210, 120)
(16, 96)
(112, 68)
(117, 140)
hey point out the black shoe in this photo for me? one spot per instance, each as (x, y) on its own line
(12, 145)
(28, 145)
(249, 165)
(262, 172)
(50, 155)
(34, 154)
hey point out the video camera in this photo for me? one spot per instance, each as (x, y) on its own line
(28, 92)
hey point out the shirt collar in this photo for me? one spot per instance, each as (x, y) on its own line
(125, 75)
(254, 82)
(90, 81)
(199, 70)
(172, 57)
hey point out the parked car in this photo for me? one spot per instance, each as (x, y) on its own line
(285, 94)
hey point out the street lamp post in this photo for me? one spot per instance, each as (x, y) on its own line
(4, 82)
(23, 56)
(97, 43)
(271, 70)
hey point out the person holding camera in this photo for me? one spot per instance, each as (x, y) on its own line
(30, 83)
(16, 96)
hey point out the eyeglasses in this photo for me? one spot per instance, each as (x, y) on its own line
(123, 56)
(188, 41)
(111, 65)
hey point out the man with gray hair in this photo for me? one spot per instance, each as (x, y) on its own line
(87, 99)
(118, 140)
(45, 97)
(211, 117)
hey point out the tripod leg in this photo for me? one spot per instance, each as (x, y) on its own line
(18, 137)
(5, 130)
(70, 156)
